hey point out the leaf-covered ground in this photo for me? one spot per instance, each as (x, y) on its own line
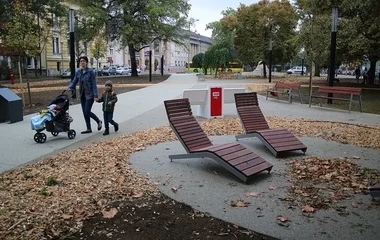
(53, 197)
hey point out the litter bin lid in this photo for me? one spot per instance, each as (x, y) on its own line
(9, 95)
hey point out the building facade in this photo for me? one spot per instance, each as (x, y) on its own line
(55, 57)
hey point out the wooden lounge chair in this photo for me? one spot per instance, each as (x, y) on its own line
(255, 125)
(237, 159)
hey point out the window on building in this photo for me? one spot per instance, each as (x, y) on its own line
(176, 63)
(55, 22)
(111, 51)
(56, 45)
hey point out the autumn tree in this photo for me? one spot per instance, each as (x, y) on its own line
(98, 50)
(222, 50)
(24, 35)
(255, 25)
(358, 38)
(198, 60)
(137, 24)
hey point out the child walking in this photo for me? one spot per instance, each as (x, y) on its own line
(108, 99)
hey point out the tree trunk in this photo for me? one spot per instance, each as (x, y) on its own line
(27, 81)
(35, 66)
(205, 71)
(132, 55)
(371, 72)
(317, 73)
(40, 59)
(265, 69)
(216, 72)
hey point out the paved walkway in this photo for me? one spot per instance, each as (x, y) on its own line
(17, 146)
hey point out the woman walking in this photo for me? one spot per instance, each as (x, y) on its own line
(88, 92)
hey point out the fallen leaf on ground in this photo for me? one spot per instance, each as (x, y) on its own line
(283, 219)
(308, 209)
(138, 195)
(252, 194)
(356, 157)
(355, 205)
(175, 189)
(109, 214)
(67, 216)
(272, 188)
(239, 203)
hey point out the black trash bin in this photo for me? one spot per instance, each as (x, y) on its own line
(10, 106)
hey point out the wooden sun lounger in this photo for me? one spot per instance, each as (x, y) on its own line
(255, 125)
(234, 157)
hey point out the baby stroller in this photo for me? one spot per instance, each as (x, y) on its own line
(55, 119)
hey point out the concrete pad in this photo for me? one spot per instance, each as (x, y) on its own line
(208, 187)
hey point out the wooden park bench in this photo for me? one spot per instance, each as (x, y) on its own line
(201, 77)
(294, 89)
(227, 75)
(278, 141)
(346, 94)
(234, 157)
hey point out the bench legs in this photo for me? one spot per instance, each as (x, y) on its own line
(349, 108)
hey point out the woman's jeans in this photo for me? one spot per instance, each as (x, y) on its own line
(86, 108)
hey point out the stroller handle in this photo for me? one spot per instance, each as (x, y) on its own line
(69, 90)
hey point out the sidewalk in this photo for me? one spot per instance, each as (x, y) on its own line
(16, 140)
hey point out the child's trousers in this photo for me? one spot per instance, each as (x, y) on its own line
(108, 118)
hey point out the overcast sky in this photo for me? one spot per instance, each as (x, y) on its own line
(210, 10)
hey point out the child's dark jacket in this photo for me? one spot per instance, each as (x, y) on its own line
(108, 96)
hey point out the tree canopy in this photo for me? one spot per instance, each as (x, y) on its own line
(137, 24)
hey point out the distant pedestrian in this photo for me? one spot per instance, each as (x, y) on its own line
(357, 74)
(109, 100)
(88, 92)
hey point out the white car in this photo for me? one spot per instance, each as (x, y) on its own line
(123, 71)
(297, 70)
(137, 69)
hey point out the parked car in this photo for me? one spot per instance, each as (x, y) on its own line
(137, 69)
(123, 71)
(66, 74)
(108, 71)
(297, 70)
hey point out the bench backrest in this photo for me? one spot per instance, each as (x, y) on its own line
(340, 90)
(246, 99)
(185, 126)
(195, 96)
(248, 109)
(293, 86)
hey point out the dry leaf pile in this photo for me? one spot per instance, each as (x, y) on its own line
(52, 197)
(319, 183)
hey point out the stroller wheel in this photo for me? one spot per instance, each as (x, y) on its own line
(54, 133)
(40, 137)
(71, 134)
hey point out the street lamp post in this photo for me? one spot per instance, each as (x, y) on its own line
(302, 64)
(334, 16)
(270, 60)
(72, 48)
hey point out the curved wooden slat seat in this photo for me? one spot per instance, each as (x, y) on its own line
(237, 159)
(255, 125)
